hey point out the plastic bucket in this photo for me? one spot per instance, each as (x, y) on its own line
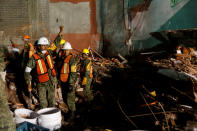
(22, 115)
(50, 118)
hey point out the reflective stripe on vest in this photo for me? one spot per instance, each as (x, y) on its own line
(89, 68)
(50, 63)
(65, 69)
(42, 71)
(41, 68)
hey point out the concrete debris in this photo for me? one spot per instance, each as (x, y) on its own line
(150, 90)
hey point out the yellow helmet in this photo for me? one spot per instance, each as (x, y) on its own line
(153, 93)
(62, 42)
(85, 51)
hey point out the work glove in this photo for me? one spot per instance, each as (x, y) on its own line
(84, 81)
(153, 93)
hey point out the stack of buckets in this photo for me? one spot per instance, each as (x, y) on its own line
(48, 117)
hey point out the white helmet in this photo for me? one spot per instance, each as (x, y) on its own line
(67, 46)
(43, 41)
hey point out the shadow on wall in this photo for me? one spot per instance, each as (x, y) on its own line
(112, 27)
(101, 16)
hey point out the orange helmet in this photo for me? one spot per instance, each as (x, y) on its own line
(26, 37)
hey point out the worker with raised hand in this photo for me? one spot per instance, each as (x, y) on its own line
(45, 79)
(67, 76)
(87, 74)
(54, 48)
(59, 40)
(58, 43)
(28, 50)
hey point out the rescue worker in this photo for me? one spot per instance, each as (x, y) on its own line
(15, 66)
(57, 51)
(67, 76)
(86, 74)
(28, 50)
(45, 79)
(14, 47)
(6, 119)
(58, 60)
(58, 39)
(62, 43)
(58, 42)
(12, 75)
(12, 58)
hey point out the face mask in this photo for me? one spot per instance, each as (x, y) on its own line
(25, 39)
(12, 87)
(44, 51)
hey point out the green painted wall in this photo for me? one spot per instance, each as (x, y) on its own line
(185, 18)
(159, 16)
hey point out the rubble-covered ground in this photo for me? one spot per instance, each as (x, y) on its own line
(148, 92)
(154, 91)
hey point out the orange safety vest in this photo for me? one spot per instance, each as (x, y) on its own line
(65, 69)
(42, 71)
(88, 67)
(31, 50)
(91, 69)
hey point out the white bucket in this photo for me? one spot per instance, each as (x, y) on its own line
(50, 118)
(22, 115)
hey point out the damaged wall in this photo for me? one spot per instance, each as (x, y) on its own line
(158, 16)
(87, 21)
(111, 26)
(13, 19)
(20, 17)
(38, 18)
(43, 18)
(79, 21)
(145, 16)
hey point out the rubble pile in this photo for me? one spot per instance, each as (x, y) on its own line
(140, 97)
(134, 93)
(176, 65)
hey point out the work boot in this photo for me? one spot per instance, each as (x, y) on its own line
(71, 118)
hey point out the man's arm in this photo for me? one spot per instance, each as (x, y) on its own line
(30, 65)
(59, 37)
(73, 71)
(88, 66)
